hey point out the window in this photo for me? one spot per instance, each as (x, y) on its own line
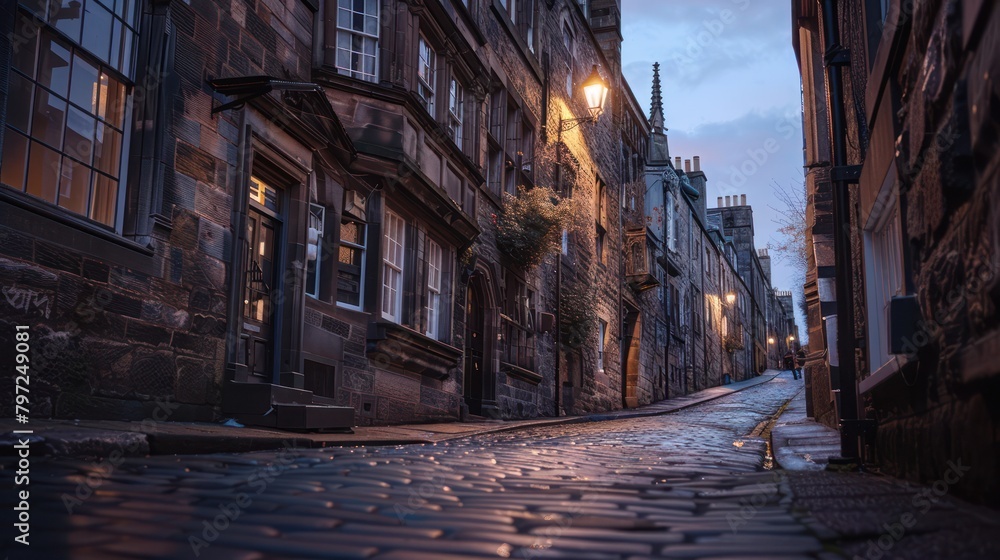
(351, 263)
(65, 134)
(602, 333)
(426, 65)
(518, 324)
(317, 219)
(510, 145)
(434, 258)
(885, 279)
(671, 212)
(392, 267)
(357, 38)
(510, 6)
(456, 106)
(600, 247)
(565, 241)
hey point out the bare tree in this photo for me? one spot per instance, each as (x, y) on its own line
(790, 246)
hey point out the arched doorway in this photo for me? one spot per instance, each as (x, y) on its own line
(479, 380)
(630, 357)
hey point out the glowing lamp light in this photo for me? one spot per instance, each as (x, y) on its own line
(731, 298)
(595, 89)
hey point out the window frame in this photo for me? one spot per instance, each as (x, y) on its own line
(363, 248)
(314, 267)
(434, 308)
(427, 71)
(118, 74)
(350, 72)
(395, 312)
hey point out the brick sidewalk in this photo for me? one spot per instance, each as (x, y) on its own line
(872, 517)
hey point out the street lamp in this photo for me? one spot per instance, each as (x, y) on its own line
(731, 298)
(595, 91)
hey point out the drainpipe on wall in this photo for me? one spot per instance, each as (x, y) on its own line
(835, 57)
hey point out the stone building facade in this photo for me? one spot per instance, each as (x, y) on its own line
(920, 98)
(286, 212)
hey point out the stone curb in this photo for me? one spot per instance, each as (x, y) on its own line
(64, 439)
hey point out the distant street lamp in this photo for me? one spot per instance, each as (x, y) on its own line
(731, 298)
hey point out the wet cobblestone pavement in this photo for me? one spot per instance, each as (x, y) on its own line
(691, 484)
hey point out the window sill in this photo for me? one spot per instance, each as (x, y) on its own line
(888, 370)
(40, 221)
(408, 350)
(521, 373)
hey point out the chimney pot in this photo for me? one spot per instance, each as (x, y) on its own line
(727, 201)
(687, 166)
(720, 203)
(743, 200)
(697, 163)
(677, 163)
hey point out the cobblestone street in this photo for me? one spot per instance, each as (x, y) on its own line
(690, 484)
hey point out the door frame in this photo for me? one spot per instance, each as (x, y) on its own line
(259, 155)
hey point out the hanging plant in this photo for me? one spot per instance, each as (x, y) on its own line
(733, 342)
(577, 315)
(529, 225)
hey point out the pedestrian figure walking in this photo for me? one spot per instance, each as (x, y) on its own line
(789, 362)
(800, 362)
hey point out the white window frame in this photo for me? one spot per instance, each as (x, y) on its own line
(426, 70)
(671, 222)
(317, 219)
(434, 255)
(367, 38)
(884, 278)
(364, 250)
(393, 266)
(456, 107)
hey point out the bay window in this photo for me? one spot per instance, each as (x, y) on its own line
(70, 82)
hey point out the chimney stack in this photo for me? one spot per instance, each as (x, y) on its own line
(687, 166)
(697, 163)
(743, 200)
(677, 163)
(720, 203)
(727, 201)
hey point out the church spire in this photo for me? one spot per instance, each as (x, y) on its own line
(656, 120)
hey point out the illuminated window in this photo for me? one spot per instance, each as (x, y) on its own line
(70, 85)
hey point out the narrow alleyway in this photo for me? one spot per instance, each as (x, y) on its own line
(689, 484)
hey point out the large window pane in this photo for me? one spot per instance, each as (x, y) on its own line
(19, 106)
(105, 199)
(43, 172)
(83, 87)
(12, 161)
(68, 19)
(112, 101)
(79, 135)
(97, 30)
(49, 119)
(53, 69)
(23, 54)
(74, 186)
(107, 150)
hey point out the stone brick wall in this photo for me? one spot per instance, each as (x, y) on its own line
(933, 130)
